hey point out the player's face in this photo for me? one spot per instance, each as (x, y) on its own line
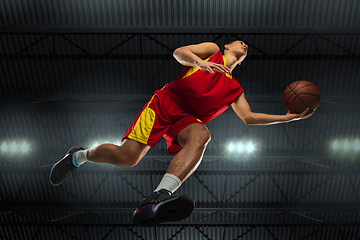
(239, 47)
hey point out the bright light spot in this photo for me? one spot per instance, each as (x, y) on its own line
(346, 145)
(231, 147)
(4, 147)
(336, 145)
(101, 141)
(95, 144)
(24, 147)
(13, 147)
(250, 147)
(240, 147)
(356, 145)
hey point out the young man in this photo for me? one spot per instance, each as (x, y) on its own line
(178, 112)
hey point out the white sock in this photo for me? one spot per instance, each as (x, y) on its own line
(80, 157)
(169, 182)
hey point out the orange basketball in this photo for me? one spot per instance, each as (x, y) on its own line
(300, 95)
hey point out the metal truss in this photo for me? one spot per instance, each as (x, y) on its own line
(177, 231)
(179, 30)
(291, 202)
(64, 35)
(304, 215)
(201, 207)
(291, 206)
(231, 166)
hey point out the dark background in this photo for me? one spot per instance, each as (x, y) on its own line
(77, 72)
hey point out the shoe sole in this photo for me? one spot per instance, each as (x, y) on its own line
(174, 210)
(51, 172)
(70, 152)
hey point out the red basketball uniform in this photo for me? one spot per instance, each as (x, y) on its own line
(194, 96)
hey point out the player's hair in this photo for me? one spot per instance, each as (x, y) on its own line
(236, 40)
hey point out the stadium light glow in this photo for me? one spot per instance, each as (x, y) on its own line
(231, 147)
(335, 145)
(346, 145)
(241, 147)
(24, 147)
(356, 145)
(250, 147)
(94, 144)
(103, 140)
(13, 147)
(4, 147)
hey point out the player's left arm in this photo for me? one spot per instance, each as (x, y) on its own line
(242, 109)
(193, 55)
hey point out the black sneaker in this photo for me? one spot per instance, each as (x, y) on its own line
(162, 206)
(64, 167)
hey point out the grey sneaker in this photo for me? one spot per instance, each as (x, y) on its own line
(162, 206)
(64, 167)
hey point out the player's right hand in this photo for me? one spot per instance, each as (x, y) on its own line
(212, 67)
(299, 116)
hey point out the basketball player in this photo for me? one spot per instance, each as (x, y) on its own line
(178, 112)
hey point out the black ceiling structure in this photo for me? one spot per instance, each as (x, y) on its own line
(78, 72)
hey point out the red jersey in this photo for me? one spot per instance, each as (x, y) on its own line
(203, 94)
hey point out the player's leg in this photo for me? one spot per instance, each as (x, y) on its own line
(162, 205)
(126, 155)
(137, 142)
(194, 139)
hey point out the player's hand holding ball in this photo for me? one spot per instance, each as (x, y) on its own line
(301, 99)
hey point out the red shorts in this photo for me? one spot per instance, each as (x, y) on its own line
(160, 117)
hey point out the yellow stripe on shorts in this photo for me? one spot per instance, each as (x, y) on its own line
(143, 126)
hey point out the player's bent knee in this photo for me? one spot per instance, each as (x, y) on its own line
(130, 153)
(196, 135)
(201, 138)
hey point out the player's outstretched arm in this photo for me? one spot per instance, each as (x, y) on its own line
(193, 55)
(243, 110)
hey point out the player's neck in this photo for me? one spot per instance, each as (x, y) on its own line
(231, 61)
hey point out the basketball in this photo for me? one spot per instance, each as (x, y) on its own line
(300, 95)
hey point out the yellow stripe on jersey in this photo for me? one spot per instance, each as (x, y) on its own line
(228, 75)
(192, 70)
(143, 126)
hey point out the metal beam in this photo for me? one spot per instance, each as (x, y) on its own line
(244, 164)
(161, 56)
(140, 100)
(183, 223)
(179, 30)
(201, 171)
(353, 207)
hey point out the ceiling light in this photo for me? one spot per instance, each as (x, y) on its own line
(250, 147)
(4, 147)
